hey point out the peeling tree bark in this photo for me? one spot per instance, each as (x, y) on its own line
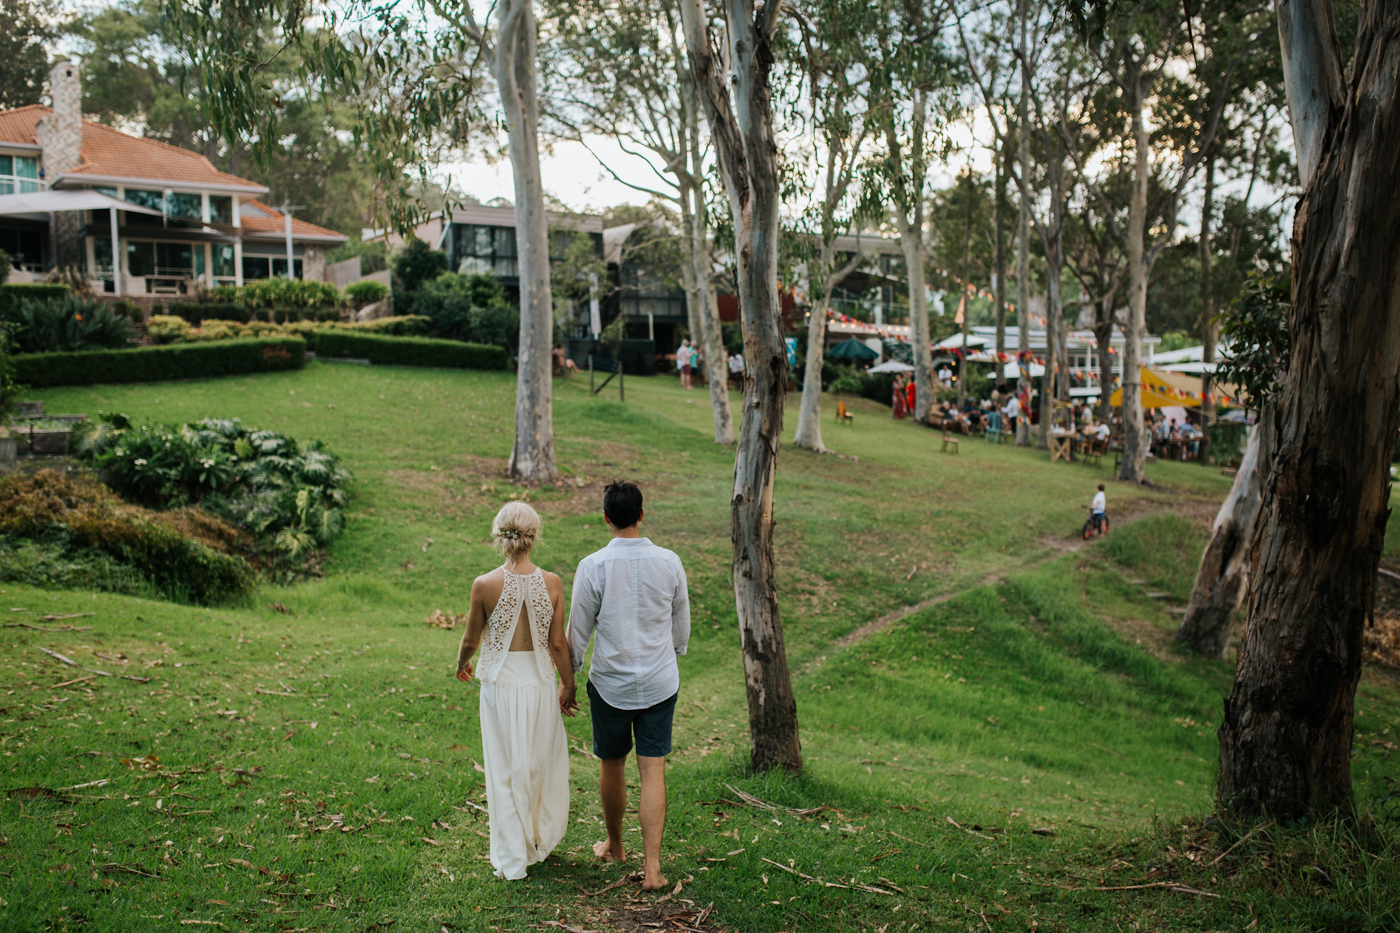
(1222, 580)
(741, 127)
(532, 458)
(1286, 739)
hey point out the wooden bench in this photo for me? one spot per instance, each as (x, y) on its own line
(842, 415)
(949, 441)
(1094, 451)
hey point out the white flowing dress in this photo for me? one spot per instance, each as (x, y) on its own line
(522, 732)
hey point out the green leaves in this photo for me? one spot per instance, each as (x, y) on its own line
(263, 481)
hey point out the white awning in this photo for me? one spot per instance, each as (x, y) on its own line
(46, 202)
(956, 340)
(891, 366)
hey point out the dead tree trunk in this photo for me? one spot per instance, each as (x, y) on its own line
(1223, 576)
(532, 458)
(737, 105)
(1286, 739)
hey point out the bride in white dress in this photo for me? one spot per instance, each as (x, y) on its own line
(517, 619)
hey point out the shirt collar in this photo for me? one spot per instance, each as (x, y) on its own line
(629, 542)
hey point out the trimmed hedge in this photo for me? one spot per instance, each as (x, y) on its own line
(154, 364)
(409, 351)
(12, 292)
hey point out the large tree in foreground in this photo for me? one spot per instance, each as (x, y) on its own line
(1286, 740)
(734, 85)
(414, 73)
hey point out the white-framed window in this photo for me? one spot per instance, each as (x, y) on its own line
(19, 174)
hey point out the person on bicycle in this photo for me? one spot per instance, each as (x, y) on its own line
(1098, 511)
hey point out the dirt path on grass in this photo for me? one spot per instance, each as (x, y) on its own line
(1054, 544)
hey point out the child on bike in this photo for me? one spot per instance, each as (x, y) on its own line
(1098, 511)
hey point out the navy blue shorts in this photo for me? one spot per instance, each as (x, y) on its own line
(613, 728)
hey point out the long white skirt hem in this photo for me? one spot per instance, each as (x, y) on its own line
(526, 756)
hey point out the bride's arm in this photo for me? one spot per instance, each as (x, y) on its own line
(471, 638)
(559, 647)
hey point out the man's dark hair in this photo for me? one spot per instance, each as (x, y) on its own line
(622, 504)
(1100, 487)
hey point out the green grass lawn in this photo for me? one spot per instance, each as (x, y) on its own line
(985, 762)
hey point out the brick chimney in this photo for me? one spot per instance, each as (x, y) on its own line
(61, 134)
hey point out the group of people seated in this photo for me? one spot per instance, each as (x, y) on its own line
(1172, 439)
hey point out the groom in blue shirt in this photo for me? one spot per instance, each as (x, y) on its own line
(632, 596)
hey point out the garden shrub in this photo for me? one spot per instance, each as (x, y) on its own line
(196, 312)
(154, 364)
(64, 323)
(417, 263)
(279, 293)
(878, 387)
(38, 291)
(71, 513)
(471, 308)
(409, 351)
(407, 325)
(366, 292)
(288, 495)
(167, 328)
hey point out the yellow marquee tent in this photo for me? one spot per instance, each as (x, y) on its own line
(1164, 389)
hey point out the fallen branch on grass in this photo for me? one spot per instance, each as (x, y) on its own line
(968, 831)
(1161, 886)
(829, 884)
(40, 628)
(1242, 841)
(632, 877)
(274, 693)
(749, 800)
(76, 680)
(129, 869)
(72, 663)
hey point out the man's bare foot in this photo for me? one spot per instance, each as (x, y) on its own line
(653, 882)
(608, 852)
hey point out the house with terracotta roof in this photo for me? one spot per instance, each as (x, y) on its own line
(71, 188)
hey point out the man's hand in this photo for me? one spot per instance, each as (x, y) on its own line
(464, 673)
(568, 705)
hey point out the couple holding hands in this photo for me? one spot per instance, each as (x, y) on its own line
(630, 598)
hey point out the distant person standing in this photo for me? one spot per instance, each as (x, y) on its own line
(683, 363)
(631, 599)
(1012, 413)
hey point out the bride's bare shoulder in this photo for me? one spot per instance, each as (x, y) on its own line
(489, 585)
(552, 581)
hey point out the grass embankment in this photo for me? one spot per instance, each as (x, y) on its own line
(316, 765)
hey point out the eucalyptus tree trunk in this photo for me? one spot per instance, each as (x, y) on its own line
(1286, 739)
(1047, 381)
(737, 105)
(1223, 576)
(1023, 240)
(909, 223)
(1135, 437)
(809, 427)
(1000, 290)
(1208, 325)
(1103, 338)
(716, 358)
(532, 458)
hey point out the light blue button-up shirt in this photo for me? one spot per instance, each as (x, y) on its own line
(632, 594)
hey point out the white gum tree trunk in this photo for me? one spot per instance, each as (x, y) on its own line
(532, 458)
(1135, 437)
(737, 104)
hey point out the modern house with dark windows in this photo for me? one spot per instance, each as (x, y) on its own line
(70, 188)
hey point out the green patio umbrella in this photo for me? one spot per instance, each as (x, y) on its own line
(852, 349)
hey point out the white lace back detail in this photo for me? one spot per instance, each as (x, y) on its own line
(500, 627)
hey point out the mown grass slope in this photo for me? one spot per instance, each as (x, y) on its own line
(986, 761)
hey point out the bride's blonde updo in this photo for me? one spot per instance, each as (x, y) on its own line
(515, 530)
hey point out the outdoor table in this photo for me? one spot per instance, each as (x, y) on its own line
(1059, 447)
